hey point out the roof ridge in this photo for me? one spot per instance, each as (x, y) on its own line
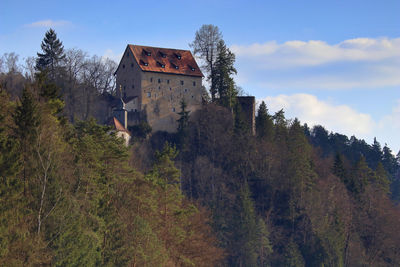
(167, 48)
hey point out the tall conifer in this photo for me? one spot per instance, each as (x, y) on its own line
(52, 54)
(264, 123)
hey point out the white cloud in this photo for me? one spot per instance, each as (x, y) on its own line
(389, 128)
(49, 23)
(312, 53)
(339, 118)
(109, 53)
(309, 109)
(354, 63)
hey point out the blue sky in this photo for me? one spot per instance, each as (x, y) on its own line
(335, 63)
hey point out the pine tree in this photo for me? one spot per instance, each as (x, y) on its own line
(26, 120)
(338, 167)
(389, 161)
(376, 154)
(245, 233)
(263, 243)
(280, 127)
(52, 54)
(264, 123)
(183, 122)
(360, 177)
(381, 180)
(222, 76)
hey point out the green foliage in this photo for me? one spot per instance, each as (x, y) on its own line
(338, 168)
(52, 53)
(183, 123)
(222, 76)
(264, 123)
(140, 131)
(245, 230)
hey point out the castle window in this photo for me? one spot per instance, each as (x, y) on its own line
(186, 90)
(167, 81)
(151, 79)
(146, 52)
(159, 88)
(174, 65)
(181, 82)
(131, 65)
(159, 80)
(194, 83)
(123, 66)
(133, 86)
(170, 89)
(148, 94)
(192, 96)
(173, 109)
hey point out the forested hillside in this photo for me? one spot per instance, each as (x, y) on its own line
(212, 194)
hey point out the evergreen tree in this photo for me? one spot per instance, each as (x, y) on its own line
(52, 54)
(26, 120)
(389, 161)
(183, 122)
(360, 177)
(280, 126)
(381, 180)
(338, 167)
(263, 244)
(222, 76)
(264, 123)
(245, 233)
(376, 154)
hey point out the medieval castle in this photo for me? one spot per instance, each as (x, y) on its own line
(151, 83)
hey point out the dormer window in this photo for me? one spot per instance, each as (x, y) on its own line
(178, 56)
(162, 65)
(163, 54)
(144, 63)
(174, 66)
(191, 68)
(146, 52)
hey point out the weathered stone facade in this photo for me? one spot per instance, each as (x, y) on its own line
(156, 82)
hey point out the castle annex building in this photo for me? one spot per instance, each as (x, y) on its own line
(151, 83)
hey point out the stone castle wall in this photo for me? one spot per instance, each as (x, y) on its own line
(159, 94)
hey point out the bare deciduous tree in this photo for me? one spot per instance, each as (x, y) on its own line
(29, 67)
(11, 62)
(205, 46)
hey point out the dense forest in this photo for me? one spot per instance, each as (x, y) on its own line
(211, 194)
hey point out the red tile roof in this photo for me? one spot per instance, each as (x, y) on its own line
(119, 127)
(165, 60)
